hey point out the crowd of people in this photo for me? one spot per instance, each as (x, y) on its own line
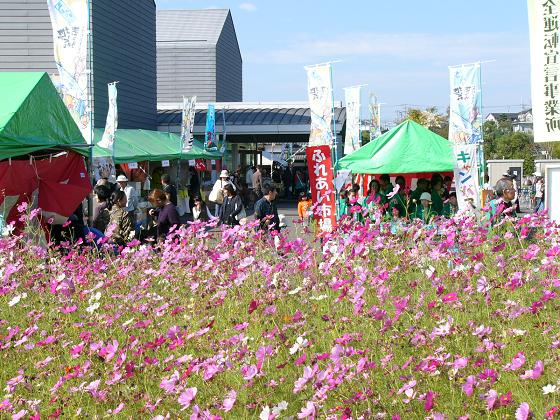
(431, 197)
(232, 195)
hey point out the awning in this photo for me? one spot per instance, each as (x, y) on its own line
(145, 145)
(33, 117)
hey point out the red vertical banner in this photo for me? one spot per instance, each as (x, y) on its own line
(321, 179)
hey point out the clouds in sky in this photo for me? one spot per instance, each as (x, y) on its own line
(248, 7)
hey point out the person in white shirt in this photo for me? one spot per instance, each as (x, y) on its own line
(249, 177)
(130, 192)
(539, 192)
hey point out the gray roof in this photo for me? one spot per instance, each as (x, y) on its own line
(190, 27)
(252, 117)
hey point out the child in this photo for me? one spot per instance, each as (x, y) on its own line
(304, 208)
(342, 204)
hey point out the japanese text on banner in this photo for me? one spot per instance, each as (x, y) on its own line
(319, 89)
(189, 105)
(70, 35)
(545, 68)
(466, 176)
(322, 186)
(465, 118)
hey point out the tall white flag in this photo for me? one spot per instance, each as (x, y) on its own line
(545, 68)
(319, 89)
(112, 122)
(352, 141)
(70, 34)
(465, 132)
(187, 125)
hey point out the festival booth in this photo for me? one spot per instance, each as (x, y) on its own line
(41, 150)
(409, 149)
(144, 155)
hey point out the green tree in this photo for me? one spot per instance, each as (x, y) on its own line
(431, 119)
(516, 146)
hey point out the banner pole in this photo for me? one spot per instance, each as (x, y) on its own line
(481, 143)
(335, 142)
(90, 95)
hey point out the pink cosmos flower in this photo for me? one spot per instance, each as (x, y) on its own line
(450, 297)
(523, 412)
(517, 362)
(534, 373)
(429, 403)
(249, 372)
(229, 401)
(491, 399)
(169, 384)
(308, 412)
(186, 397)
(468, 386)
(108, 352)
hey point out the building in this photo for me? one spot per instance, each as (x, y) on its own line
(524, 122)
(198, 54)
(254, 128)
(521, 122)
(123, 48)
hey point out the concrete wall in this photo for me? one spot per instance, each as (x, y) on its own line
(497, 167)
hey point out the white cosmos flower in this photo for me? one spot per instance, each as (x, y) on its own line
(549, 389)
(299, 344)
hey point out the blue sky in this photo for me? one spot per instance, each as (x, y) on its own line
(401, 49)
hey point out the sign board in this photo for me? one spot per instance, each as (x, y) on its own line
(321, 181)
(165, 163)
(133, 165)
(552, 191)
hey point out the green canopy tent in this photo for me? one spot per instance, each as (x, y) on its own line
(34, 118)
(146, 145)
(407, 148)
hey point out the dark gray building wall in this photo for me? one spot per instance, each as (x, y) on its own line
(124, 49)
(183, 71)
(229, 65)
(26, 36)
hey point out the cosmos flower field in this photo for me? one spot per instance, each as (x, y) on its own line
(452, 320)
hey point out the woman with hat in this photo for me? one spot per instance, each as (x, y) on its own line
(217, 194)
(424, 211)
(130, 192)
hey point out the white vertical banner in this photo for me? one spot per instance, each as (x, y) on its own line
(189, 105)
(104, 166)
(466, 176)
(320, 92)
(465, 132)
(112, 122)
(545, 68)
(465, 117)
(375, 114)
(70, 20)
(352, 99)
